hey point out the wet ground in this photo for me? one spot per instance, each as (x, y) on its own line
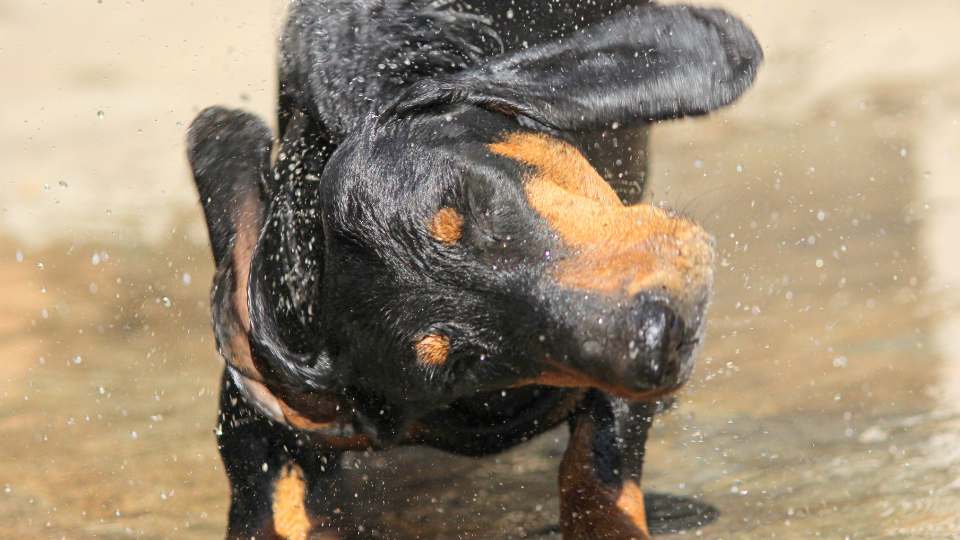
(825, 404)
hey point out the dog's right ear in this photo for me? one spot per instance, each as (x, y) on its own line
(642, 64)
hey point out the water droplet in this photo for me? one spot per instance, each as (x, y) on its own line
(592, 348)
(821, 215)
(873, 434)
(187, 279)
(78, 359)
(819, 263)
(166, 301)
(100, 115)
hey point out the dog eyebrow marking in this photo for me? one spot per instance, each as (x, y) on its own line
(616, 249)
(447, 226)
(433, 349)
(290, 519)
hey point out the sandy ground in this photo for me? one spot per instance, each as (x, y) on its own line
(825, 402)
(98, 94)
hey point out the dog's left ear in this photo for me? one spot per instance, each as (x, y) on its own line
(229, 152)
(643, 64)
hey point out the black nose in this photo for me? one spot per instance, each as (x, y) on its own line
(655, 345)
(633, 348)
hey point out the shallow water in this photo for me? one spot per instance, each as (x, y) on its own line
(819, 408)
(826, 402)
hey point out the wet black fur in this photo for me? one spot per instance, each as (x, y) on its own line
(386, 110)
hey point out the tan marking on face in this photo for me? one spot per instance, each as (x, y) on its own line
(617, 249)
(432, 350)
(290, 518)
(631, 505)
(447, 226)
(560, 162)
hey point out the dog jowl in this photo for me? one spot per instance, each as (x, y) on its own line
(430, 243)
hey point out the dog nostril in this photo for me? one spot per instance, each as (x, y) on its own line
(654, 324)
(677, 331)
(658, 334)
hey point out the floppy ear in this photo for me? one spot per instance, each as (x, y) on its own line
(643, 64)
(229, 152)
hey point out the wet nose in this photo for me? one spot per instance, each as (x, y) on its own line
(655, 336)
(642, 346)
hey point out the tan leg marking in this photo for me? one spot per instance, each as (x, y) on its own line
(631, 505)
(590, 509)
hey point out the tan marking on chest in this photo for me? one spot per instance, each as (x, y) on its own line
(432, 350)
(290, 518)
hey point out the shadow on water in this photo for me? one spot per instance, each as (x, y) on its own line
(816, 410)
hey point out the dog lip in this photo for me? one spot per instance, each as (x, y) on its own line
(562, 376)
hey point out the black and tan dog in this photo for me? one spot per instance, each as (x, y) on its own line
(429, 258)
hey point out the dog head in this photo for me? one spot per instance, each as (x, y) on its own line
(455, 242)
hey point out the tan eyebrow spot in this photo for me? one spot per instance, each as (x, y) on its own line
(447, 226)
(432, 350)
(290, 519)
(616, 249)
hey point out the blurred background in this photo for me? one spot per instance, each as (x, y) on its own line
(825, 403)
